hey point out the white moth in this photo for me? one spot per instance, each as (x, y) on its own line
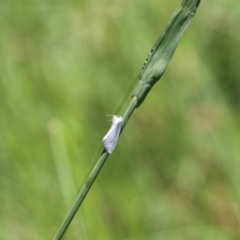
(111, 138)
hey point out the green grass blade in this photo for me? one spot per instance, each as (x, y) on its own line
(153, 69)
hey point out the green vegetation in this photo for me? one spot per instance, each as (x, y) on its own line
(174, 174)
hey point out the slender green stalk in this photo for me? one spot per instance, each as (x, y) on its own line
(91, 178)
(153, 69)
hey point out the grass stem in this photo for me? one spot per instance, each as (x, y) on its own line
(91, 178)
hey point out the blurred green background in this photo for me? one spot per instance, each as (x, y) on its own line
(64, 66)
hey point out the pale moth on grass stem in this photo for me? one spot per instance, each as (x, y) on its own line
(153, 69)
(111, 138)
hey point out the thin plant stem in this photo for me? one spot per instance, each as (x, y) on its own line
(153, 69)
(91, 178)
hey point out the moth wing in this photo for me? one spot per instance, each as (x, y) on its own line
(111, 138)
